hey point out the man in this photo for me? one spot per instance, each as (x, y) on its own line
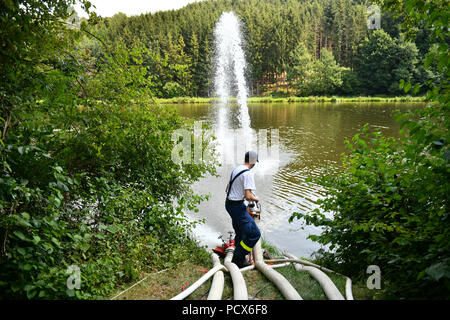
(241, 185)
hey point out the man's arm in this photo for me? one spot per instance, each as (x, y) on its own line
(249, 195)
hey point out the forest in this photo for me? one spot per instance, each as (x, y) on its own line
(285, 40)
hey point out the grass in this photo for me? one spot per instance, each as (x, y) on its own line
(270, 99)
(166, 284)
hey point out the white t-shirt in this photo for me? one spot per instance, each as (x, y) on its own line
(245, 181)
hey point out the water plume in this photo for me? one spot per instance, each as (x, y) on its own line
(229, 79)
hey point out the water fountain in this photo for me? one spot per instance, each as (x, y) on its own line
(230, 68)
(230, 61)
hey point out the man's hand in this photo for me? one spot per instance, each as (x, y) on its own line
(249, 196)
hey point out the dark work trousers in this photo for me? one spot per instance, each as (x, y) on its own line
(247, 232)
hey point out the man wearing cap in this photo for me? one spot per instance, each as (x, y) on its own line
(240, 187)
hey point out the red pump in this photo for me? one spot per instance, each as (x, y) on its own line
(221, 250)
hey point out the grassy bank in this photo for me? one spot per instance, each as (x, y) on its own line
(270, 99)
(167, 283)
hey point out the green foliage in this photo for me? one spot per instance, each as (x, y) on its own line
(382, 62)
(173, 89)
(433, 16)
(350, 82)
(314, 76)
(328, 74)
(300, 74)
(85, 159)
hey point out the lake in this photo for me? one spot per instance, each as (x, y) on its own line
(310, 136)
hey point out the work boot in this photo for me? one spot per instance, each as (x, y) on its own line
(240, 263)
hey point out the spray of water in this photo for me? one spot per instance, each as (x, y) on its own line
(230, 66)
(230, 63)
(229, 80)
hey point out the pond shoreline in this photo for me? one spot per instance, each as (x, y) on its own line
(294, 99)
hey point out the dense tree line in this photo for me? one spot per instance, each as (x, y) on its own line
(182, 46)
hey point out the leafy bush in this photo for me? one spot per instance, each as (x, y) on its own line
(173, 89)
(314, 76)
(382, 62)
(350, 82)
(86, 177)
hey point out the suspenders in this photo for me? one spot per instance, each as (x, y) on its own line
(232, 180)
